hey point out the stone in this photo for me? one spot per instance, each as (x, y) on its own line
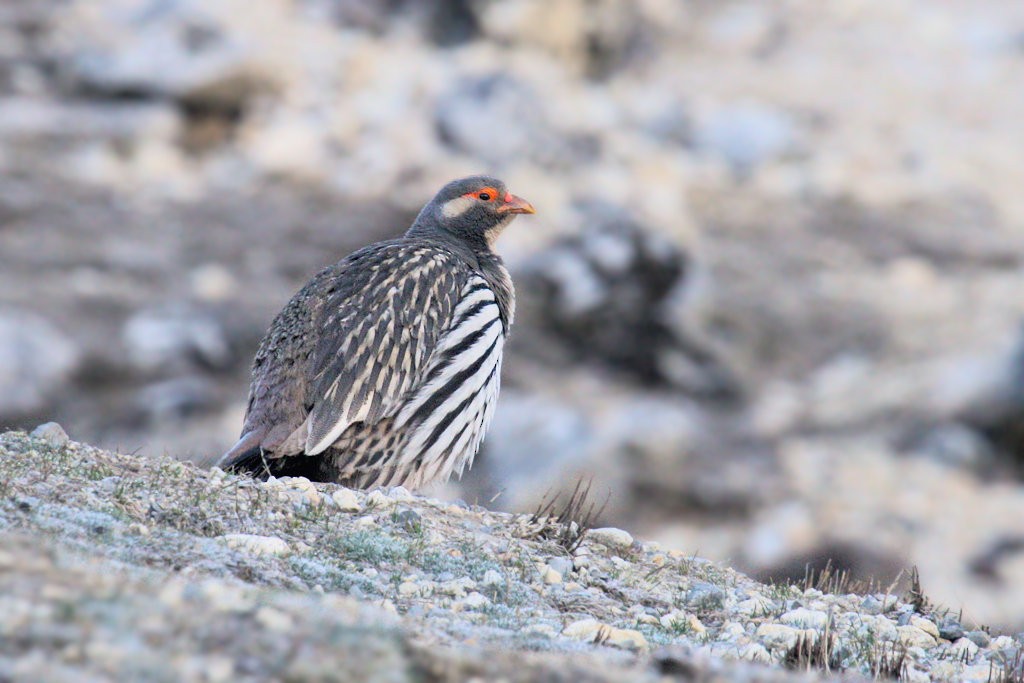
(756, 606)
(408, 588)
(550, 576)
(746, 135)
(52, 433)
(611, 537)
(926, 625)
(705, 597)
(950, 629)
(175, 337)
(911, 636)
(492, 578)
(777, 636)
(805, 618)
(979, 638)
(963, 650)
(256, 545)
(457, 588)
(274, 619)
(36, 360)
(379, 500)
(474, 601)
(755, 652)
(627, 639)
(583, 629)
(562, 565)
(346, 500)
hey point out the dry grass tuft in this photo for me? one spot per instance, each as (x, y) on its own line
(567, 521)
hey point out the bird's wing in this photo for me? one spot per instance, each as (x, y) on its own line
(380, 321)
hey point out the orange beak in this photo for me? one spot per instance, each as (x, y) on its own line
(514, 204)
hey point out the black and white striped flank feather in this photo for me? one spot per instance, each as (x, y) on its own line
(384, 370)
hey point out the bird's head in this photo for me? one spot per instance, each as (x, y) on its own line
(474, 209)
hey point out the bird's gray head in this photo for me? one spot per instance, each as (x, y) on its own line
(474, 209)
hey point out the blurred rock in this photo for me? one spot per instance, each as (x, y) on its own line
(163, 339)
(514, 108)
(176, 398)
(186, 50)
(746, 135)
(605, 295)
(36, 361)
(52, 433)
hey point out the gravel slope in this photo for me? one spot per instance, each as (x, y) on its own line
(119, 567)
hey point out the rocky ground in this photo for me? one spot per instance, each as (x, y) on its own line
(770, 302)
(149, 569)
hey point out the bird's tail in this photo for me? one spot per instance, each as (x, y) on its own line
(249, 457)
(246, 456)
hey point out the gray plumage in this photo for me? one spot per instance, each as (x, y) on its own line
(384, 369)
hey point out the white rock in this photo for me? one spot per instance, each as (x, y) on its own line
(611, 537)
(805, 618)
(583, 629)
(1002, 642)
(408, 588)
(474, 601)
(777, 636)
(256, 545)
(757, 606)
(912, 636)
(492, 578)
(457, 588)
(963, 650)
(346, 500)
(624, 638)
(36, 359)
(551, 576)
(379, 500)
(274, 619)
(52, 433)
(755, 652)
(401, 494)
(925, 625)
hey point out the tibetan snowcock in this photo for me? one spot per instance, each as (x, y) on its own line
(384, 369)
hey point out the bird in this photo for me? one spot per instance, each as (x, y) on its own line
(384, 369)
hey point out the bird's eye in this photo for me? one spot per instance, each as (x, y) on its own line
(485, 196)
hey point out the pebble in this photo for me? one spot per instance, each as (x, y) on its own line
(457, 588)
(346, 500)
(611, 537)
(756, 606)
(407, 588)
(624, 638)
(274, 619)
(562, 565)
(551, 576)
(474, 601)
(492, 577)
(755, 652)
(963, 650)
(256, 545)
(979, 638)
(805, 618)
(950, 629)
(912, 636)
(777, 636)
(52, 433)
(401, 494)
(705, 597)
(926, 625)
(379, 500)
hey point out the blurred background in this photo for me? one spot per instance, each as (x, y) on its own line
(771, 301)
